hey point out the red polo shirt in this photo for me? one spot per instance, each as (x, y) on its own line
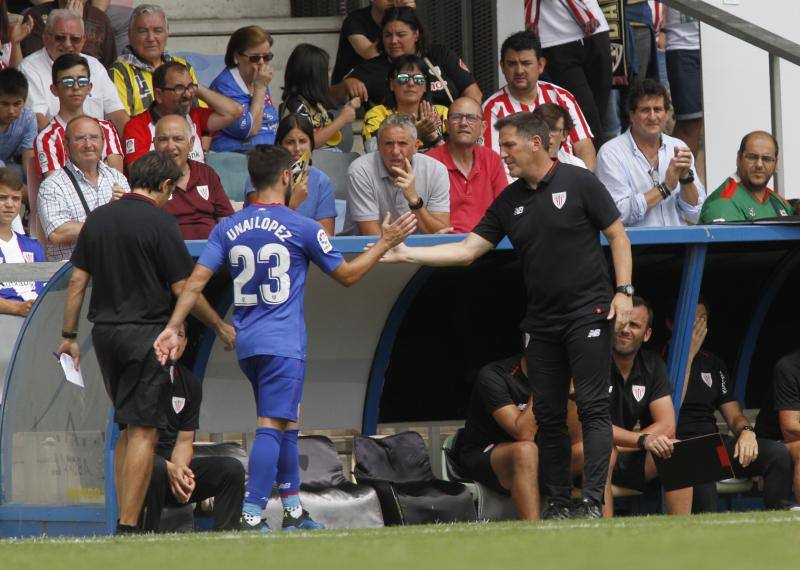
(200, 205)
(471, 196)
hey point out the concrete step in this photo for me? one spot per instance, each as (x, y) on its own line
(244, 9)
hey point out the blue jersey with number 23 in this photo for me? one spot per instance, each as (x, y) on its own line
(267, 249)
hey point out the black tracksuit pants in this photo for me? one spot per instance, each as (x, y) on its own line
(580, 351)
(218, 477)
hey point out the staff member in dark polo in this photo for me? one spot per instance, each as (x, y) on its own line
(553, 215)
(708, 388)
(136, 258)
(178, 477)
(496, 447)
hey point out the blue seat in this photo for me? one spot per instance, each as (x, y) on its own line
(232, 170)
(335, 165)
(206, 66)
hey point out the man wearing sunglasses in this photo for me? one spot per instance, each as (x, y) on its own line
(477, 175)
(745, 195)
(132, 73)
(71, 84)
(175, 93)
(64, 33)
(99, 32)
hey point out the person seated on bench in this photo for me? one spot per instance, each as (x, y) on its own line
(708, 388)
(179, 478)
(497, 447)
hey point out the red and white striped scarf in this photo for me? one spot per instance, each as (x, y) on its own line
(577, 8)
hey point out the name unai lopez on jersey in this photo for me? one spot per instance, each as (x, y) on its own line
(259, 223)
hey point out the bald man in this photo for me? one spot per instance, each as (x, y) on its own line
(745, 195)
(199, 200)
(85, 183)
(476, 172)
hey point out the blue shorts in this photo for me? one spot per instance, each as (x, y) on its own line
(277, 384)
(685, 83)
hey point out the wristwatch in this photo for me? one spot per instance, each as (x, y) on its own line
(416, 206)
(747, 428)
(69, 335)
(640, 442)
(689, 178)
(626, 289)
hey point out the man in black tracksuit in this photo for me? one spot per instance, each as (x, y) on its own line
(553, 214)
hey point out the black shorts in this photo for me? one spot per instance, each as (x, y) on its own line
(476, 464)
(629, 470)
(139, 387)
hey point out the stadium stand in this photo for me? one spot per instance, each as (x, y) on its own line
(335, 165)
(232, 170)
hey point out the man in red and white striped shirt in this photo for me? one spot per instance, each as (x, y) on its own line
(521, 66)
(71, 84)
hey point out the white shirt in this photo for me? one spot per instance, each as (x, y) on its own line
(683, 32)
(13, 254)
(566, 158)
(557, 24)
(626, 174)
(59, 203)
(37, 68)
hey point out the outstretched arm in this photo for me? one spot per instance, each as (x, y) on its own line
(350, 273)
(446, 254)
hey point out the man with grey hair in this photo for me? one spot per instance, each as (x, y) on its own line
(64, 33)
(84, 184)
(133, 71)
(97, 26)
(394, 180)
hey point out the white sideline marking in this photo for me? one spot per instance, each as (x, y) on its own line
(469, 528)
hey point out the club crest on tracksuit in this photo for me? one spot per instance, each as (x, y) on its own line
(706, 376)
(178, 404)
(559, 199)
(638, 392)
(203, 191)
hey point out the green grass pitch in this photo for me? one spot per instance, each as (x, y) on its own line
(755, 541)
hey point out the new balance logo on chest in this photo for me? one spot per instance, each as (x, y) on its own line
(518, 210)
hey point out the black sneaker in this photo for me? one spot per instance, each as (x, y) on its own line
(123, 529)
(249, 523)
(303, 522)
(557, 510)
(587, 509)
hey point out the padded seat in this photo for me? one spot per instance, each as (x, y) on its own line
(325, 492)
(232, 170)
(490, 504)
(335, 165)
(399, 469)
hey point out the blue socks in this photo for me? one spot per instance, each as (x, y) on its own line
(261, 469)
(288, 475)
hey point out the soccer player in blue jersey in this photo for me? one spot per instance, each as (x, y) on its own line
(267, 248)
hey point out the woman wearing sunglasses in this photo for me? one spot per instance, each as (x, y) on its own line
(402, 34)
(246, 80)
(408, 92)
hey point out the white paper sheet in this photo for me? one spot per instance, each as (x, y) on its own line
(72, 375)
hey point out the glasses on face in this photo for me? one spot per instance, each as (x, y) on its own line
(403, 78)
(181, 89)
(87, 138)
(766, 159)
(257, 57)
(468, 117)
(70, 82)
(62, 38)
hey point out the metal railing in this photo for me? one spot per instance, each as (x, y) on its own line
(776, 46)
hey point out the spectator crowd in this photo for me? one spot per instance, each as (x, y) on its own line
(86, 91)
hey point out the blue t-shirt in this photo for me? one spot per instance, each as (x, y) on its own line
(320, 202)
(236, 137)
(33, 252)
(19, 136)
(267, 249)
